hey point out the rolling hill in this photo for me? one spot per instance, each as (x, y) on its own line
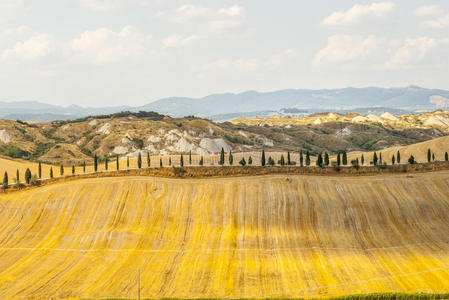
(127, 134)
(274, 236)
(438, 147)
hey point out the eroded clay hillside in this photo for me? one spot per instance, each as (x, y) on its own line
(126, 134)
(434, 120)
(276, 236)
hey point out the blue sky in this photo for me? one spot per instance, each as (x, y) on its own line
(113, 52)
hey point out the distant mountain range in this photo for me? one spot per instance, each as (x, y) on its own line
(226, 106)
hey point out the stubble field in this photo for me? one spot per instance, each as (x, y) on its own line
(268, 236)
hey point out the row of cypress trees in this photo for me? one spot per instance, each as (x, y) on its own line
(27, 177)
(304, 159)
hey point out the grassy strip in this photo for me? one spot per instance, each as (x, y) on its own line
(373, 296)
(236, 171)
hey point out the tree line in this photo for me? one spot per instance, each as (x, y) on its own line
(322, 160)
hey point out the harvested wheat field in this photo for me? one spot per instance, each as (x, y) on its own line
(12, 165)
(438, 146)
(272, 236)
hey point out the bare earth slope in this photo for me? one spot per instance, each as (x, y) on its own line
(276, 236)
(126, 134)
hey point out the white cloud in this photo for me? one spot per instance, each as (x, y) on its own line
(343, 48)
(233, 11)
(213, 19)
(189, 12)
(428, 10)
(438, 23)
(36, 47)
(176, 41)
(358, 13)
(249, 64)
(108, 5)
(412, 51)
(353, 52)
(104, 45)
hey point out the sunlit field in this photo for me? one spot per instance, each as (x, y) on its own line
(272, 236)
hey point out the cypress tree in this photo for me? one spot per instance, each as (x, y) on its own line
(301, 159)
(345, 158)
(106, 162)
(398, 157)
(28, 176)
(307, 158)
(169, 161)
(231, 158)
(73, 170)
(250, 160)
(181, 161)
(148, 160)
(139, 160)
(429, 155)
(39, 170)
(160, 162)
(433, 156)
(84, 166)
(380, 158)
(201, 161)
(222, 157)
(262, 161)
(326, 159)
(375, 158)
(289, 161)
(61, 170)
(5, 180)
(190, 157)
(446, 157)
(282, 161)
(363, 160)
(51, 172)
(117, 162)
(127, 162)
(95, 163)
(338, 159)
(392, 160)
(17, 177)
(319, 160)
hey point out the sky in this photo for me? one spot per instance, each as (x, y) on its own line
(132, 52)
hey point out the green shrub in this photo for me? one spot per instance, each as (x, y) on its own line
(15, 152)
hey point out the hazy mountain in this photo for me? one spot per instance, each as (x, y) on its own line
(408, 99)
(40, 117)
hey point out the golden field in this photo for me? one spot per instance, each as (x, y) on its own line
(438, 146)
(11, 165)
(266, 236)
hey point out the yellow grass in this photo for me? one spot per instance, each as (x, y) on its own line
(272, 236)
(11, 167)
(438, 146)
